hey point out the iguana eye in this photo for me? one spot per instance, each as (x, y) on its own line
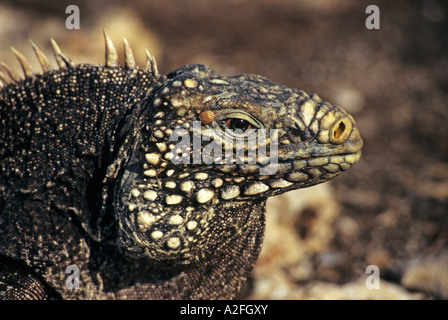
(235, 123)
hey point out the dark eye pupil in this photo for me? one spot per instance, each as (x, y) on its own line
(235, 123)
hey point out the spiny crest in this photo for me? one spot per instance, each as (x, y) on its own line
(10, 76)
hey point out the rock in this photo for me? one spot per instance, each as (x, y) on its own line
(428, 274)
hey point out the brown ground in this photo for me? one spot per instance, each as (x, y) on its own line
(391, 209)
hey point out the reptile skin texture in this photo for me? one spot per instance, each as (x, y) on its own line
(93, 175)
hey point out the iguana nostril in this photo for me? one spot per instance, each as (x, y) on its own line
(340, 131)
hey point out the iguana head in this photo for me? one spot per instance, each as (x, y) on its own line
(153, 185)
(213, 144)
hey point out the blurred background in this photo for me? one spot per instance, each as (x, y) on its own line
(391, 209)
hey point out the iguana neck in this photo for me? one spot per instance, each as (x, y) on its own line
(219, 274)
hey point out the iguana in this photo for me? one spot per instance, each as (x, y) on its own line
(100, 200)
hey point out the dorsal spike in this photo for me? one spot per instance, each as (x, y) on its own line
(43, 60)
(111, 52)
(4, 79)
(62, 60)
(26, 65)
(11, 73)
(151, 64)
(129, 60)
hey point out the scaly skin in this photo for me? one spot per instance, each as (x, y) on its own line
(87, 176)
